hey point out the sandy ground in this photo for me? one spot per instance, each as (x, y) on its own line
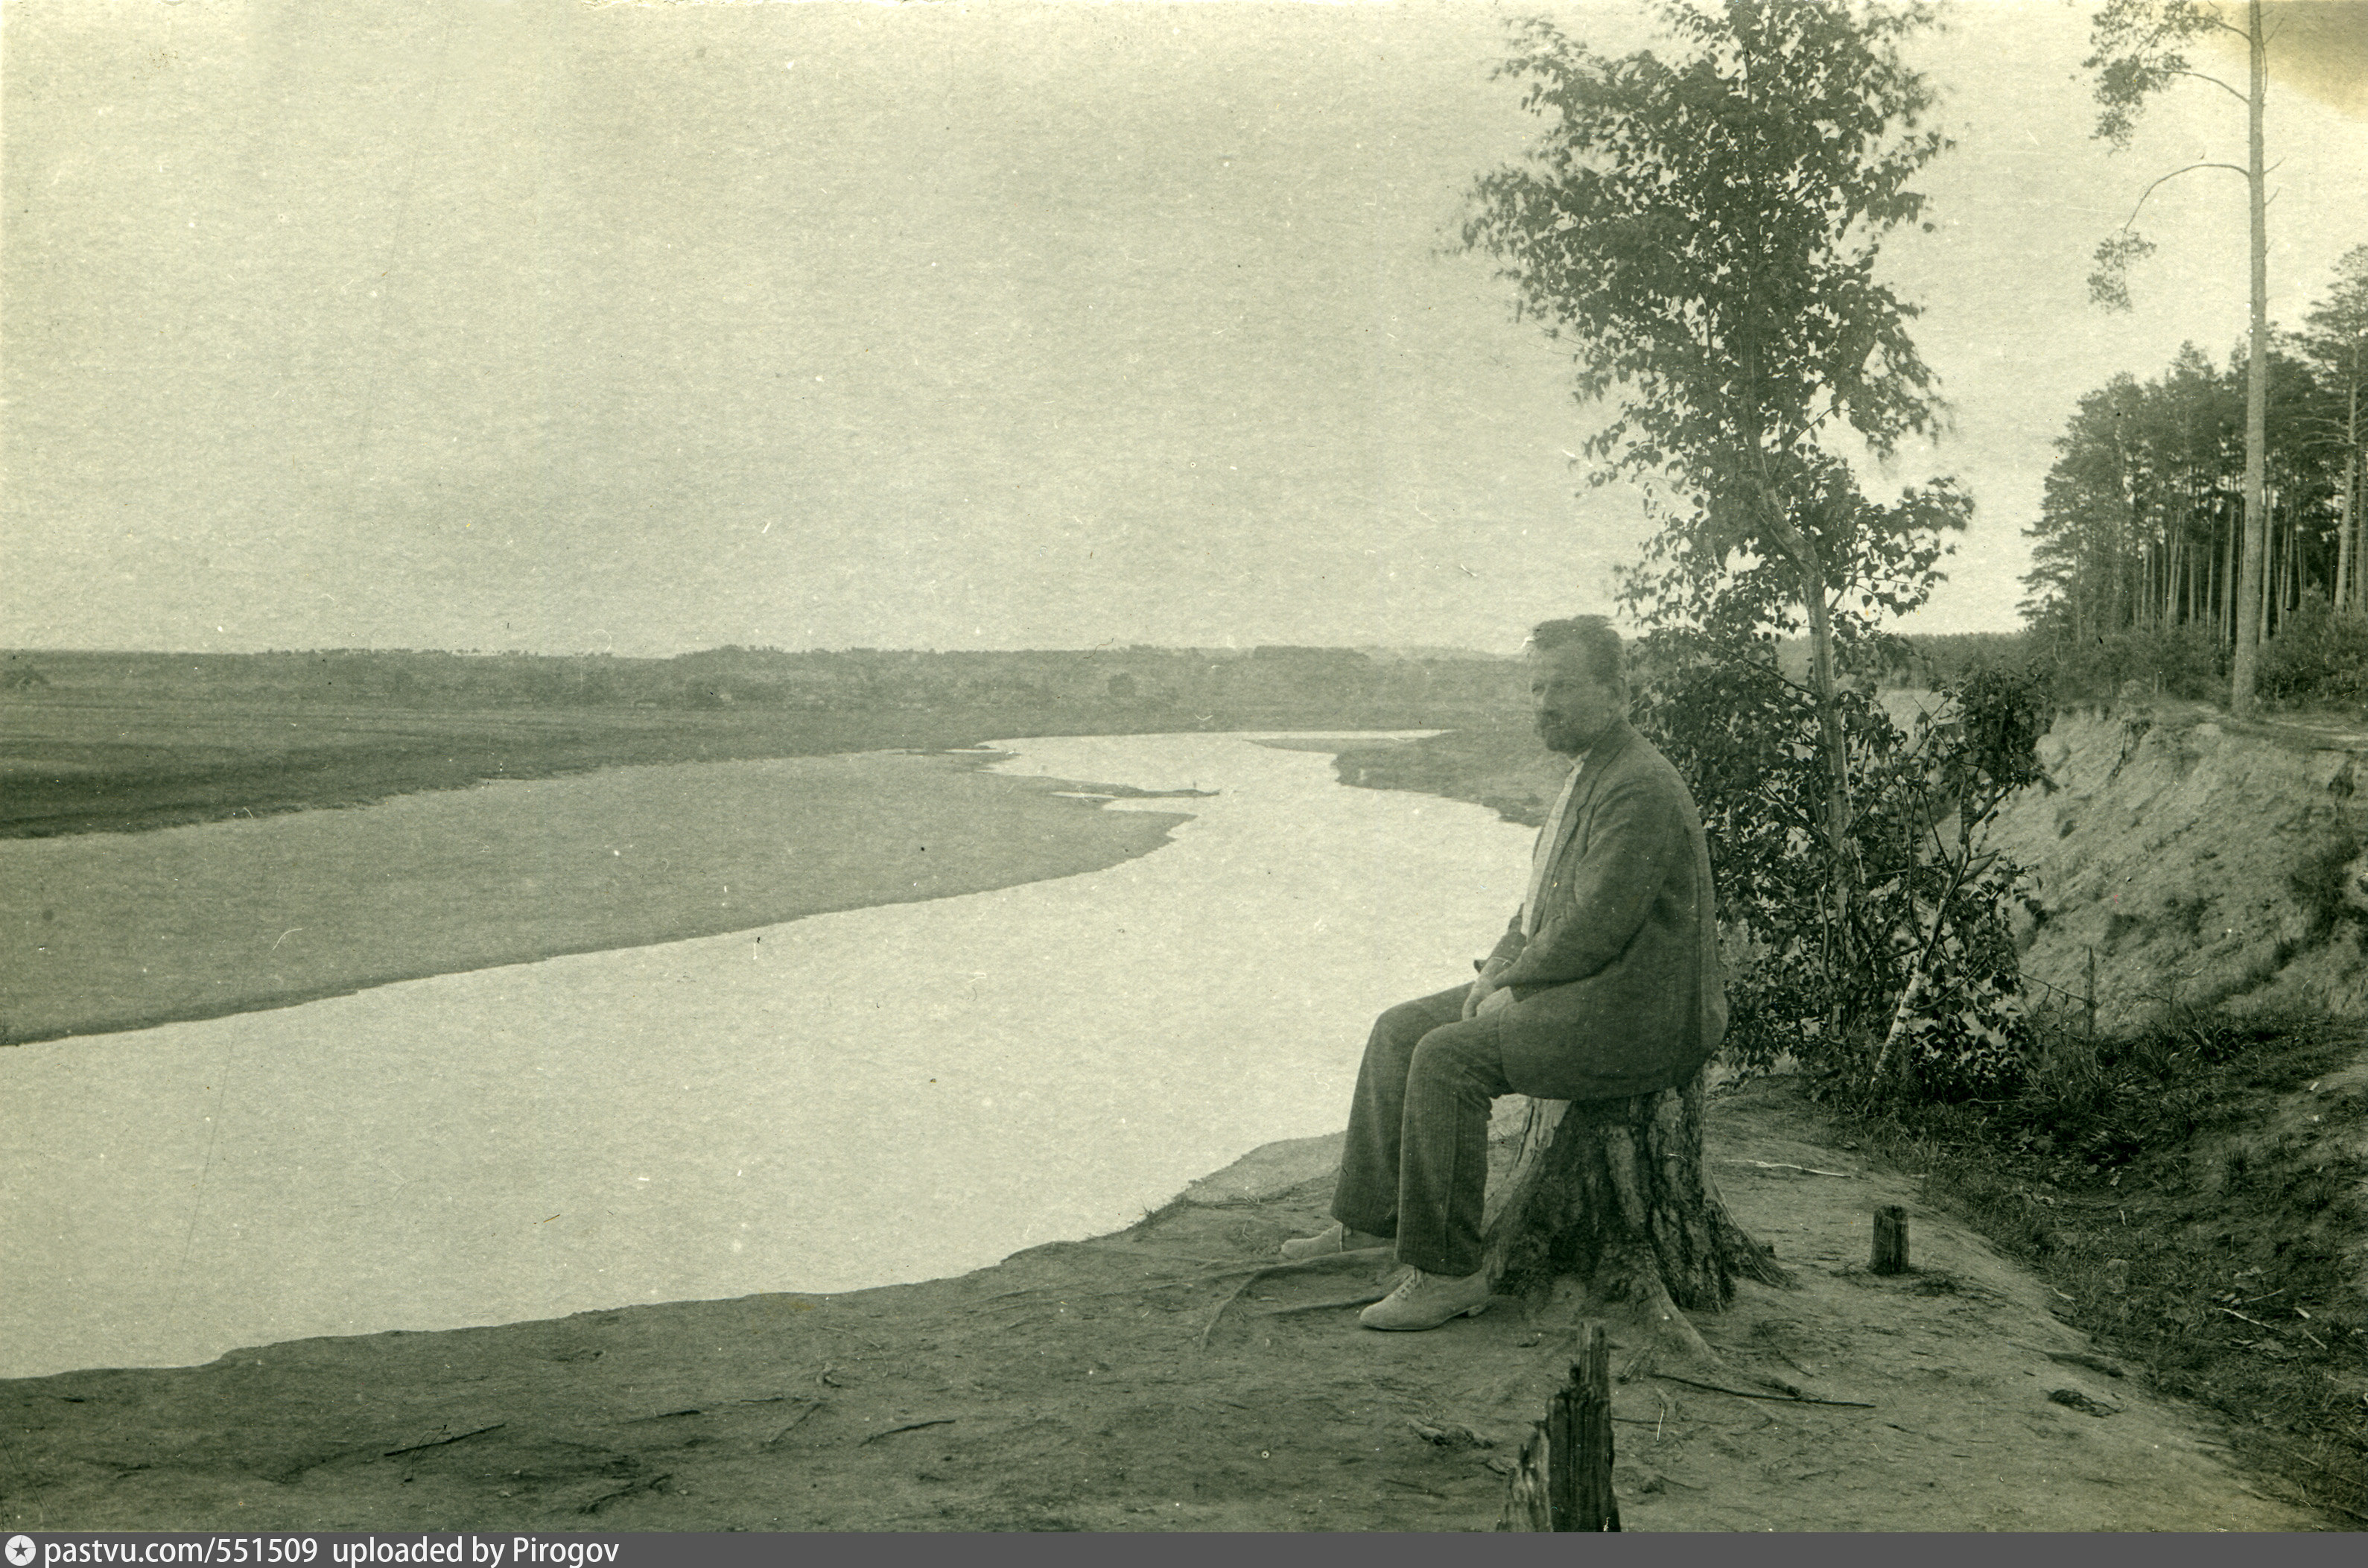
(1149, 1380)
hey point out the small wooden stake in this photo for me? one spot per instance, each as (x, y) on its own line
(1578, 1440)
(1890, 1240)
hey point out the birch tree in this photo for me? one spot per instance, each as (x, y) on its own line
(1701, 231)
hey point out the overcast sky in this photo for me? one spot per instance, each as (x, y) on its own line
(528, 324)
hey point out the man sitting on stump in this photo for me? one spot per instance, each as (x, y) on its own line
(1606, 984)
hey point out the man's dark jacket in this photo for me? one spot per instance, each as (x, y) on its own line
(1625, 956)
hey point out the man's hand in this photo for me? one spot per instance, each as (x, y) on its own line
(1483, 988)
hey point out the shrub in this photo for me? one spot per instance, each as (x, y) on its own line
(2324, 884)
(1932, 995)
(2162, 661)
(2318, 655)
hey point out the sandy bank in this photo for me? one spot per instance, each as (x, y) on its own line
(118, 931)
(2199, 859)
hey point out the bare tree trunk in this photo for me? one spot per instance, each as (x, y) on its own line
(2343, 539)
(2356, 507)
(2194, 584)
(2274, 575)
(2259, 550)
(2227, 616)
(1829, 722)
(1841, 884)
(2257, 387)
(2359, 527)
(1609, 1197)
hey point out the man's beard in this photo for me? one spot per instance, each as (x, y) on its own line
(1558, 737)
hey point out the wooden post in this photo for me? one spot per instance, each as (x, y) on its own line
(1564, 1479)
(1578, 1438)
(1890, 1240)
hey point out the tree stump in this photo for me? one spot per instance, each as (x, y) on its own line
(1610, 1197)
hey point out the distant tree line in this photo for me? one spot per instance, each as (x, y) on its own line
(1169, 688)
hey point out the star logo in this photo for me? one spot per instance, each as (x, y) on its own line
(20, 1551)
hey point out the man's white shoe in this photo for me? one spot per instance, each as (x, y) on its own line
(1338, 1238)
(1426, 1300)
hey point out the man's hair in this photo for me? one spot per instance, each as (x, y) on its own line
(1593, 636)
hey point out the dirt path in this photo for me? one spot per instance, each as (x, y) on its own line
(1133, 1382)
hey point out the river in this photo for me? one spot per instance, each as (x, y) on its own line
(851, 1099)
